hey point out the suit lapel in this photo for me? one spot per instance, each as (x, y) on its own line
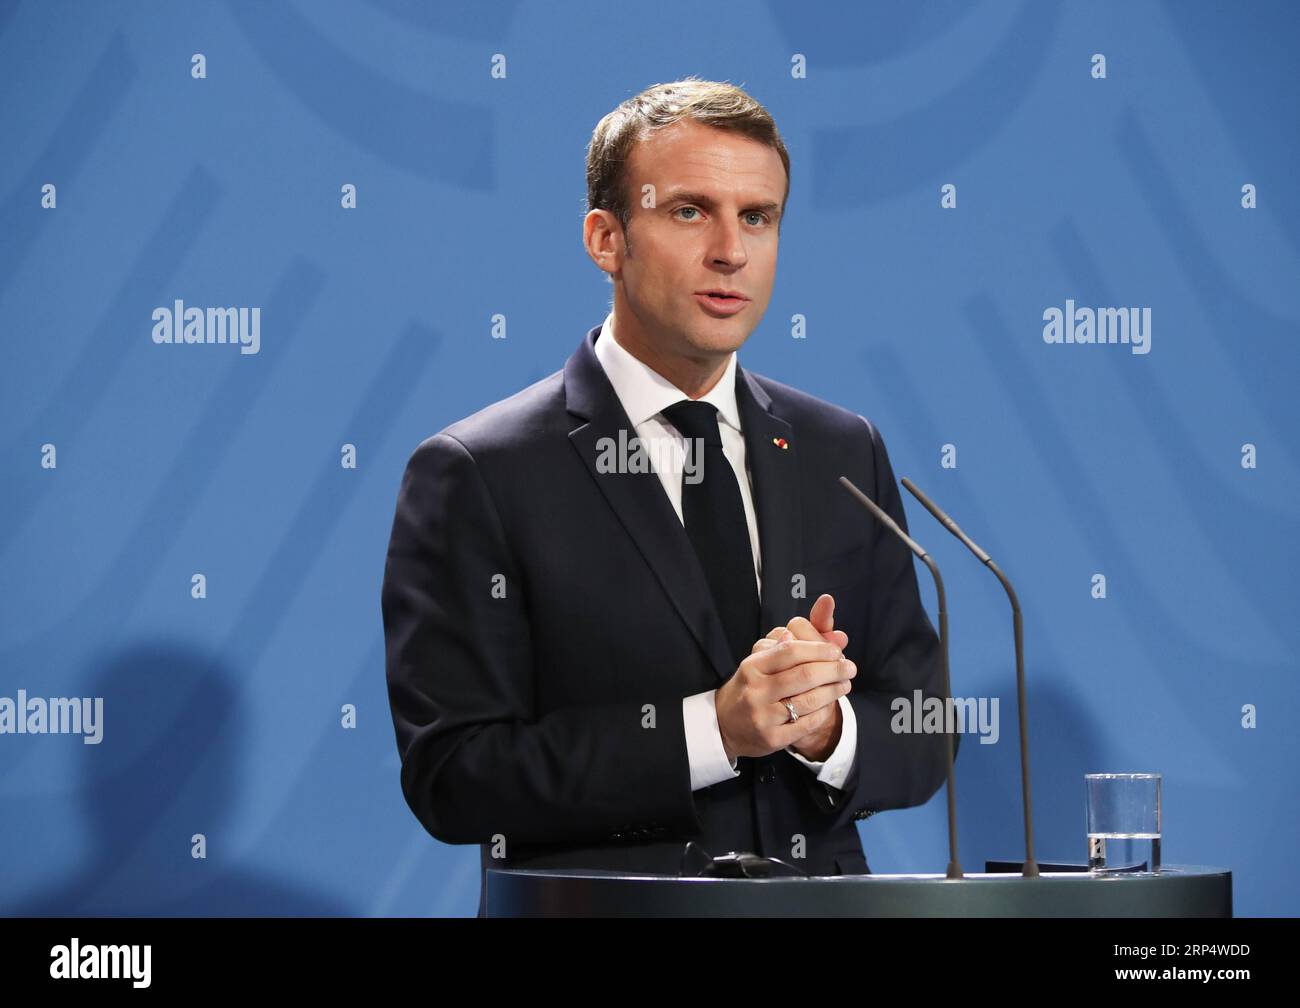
(774, 471)
(639, 501)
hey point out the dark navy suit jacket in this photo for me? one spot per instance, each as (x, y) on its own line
(543, 621)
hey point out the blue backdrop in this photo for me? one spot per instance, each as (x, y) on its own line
(135, 176)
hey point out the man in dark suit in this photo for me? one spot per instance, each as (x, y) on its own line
(579, 577)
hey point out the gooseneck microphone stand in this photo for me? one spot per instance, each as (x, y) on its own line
(1031, 865)
(954, 866)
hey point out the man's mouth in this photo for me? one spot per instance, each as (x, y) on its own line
(722, 303)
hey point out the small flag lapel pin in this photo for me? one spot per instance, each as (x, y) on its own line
(780, 442)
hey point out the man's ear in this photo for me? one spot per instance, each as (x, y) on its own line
(603, 237)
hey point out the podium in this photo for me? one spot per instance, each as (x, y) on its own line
(1177, 891)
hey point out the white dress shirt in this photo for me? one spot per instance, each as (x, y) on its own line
(644, 393)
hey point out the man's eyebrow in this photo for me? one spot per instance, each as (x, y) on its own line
(683, 196)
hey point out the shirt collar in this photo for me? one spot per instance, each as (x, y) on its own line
(644, 392)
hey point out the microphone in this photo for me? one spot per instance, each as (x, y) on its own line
(954, 866)
(1030, 866)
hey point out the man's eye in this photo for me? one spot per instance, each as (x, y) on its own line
(761, 217)
(690, 208)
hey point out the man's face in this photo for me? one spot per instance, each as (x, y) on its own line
(714, 226)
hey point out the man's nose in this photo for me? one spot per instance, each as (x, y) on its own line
(728, 245)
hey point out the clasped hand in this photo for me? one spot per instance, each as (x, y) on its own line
(802, 663)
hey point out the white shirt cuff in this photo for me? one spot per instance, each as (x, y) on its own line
(704, 749)
(834, 770)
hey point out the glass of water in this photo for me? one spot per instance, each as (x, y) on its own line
(1123, 811)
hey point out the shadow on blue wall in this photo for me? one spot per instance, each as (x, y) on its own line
(166, 769)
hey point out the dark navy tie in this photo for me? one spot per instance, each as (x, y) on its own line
(714, 515)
